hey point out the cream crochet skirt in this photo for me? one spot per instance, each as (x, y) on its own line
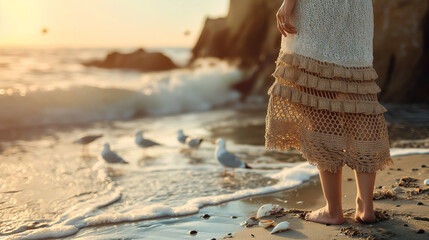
(330, 113)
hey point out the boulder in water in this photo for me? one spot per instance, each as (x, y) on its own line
(137, 60)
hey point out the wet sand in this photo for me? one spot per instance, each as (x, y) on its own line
(405, 216)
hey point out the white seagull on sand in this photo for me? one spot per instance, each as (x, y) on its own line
(144, 143)
(110, 156)
(87, 139)
(181, 137)
(227, 159)
(194, 143)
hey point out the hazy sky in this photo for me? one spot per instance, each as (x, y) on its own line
(145, 23)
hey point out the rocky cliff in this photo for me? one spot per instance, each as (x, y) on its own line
(248, 36)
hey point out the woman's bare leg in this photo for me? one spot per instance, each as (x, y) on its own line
(364, 205)
(332, 213)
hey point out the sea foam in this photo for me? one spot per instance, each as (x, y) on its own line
(206, 85)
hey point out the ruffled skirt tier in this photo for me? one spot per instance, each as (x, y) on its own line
(330, 113)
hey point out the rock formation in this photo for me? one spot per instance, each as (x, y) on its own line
(138, 60)
(248, 36)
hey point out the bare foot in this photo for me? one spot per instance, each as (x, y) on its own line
(364, 215)
(323, 216)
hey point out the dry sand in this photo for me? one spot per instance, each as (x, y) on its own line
(405, 216)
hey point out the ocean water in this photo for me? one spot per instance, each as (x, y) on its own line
(49, 189)
(51, 86)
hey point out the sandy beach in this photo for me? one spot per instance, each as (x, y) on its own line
(404, 216)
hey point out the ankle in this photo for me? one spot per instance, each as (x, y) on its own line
(334, 211)
(364, 205)
(359, 202)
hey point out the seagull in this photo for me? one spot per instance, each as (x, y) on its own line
(110, 156)
(144, 143)
(181, 137)
(227, 159)
(194, 142)
(87, 139)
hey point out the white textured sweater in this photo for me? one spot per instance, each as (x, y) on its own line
(334, 31)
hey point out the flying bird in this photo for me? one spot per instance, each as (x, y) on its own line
(144, 143)
(110, 156)
(227, 159)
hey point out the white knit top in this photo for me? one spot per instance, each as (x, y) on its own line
(334, 31)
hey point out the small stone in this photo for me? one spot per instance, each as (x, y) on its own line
(252, 235)
(205, 216)
(414, 169)
(419, 203)
(420, 231)
(229, 235)
(349, 179)
(423, 166)
(399, 169)
(300, 202)
(328, 224)
(398, 205)
(387, 172)
(192, 232)
(405, 225)
(380, 187)
(213, 239)
(234, 217)
(426, 182)
(398, 189)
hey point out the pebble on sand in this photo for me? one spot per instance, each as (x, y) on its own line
(420, 231)
(192, 232)
(205, 216)
(419, 203)
(426, 182)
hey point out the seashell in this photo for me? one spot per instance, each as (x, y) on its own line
(398, 189)
(426, 182)
(251, 221)
(267, 210)
(283, 226)
(266, 223)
